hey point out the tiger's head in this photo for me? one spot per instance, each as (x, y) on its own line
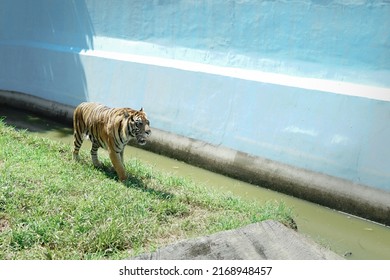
(140, 126)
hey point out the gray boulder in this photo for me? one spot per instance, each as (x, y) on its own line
(268, 240)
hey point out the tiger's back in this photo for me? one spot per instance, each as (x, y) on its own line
(109, 128)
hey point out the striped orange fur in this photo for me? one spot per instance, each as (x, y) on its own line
(109, 128)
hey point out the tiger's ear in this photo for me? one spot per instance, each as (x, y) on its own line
(142, 109)
(126, 114)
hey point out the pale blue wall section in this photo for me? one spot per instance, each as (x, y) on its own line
(71, 51)
(340, 39)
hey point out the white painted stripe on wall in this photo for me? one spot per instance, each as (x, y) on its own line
(337, 87)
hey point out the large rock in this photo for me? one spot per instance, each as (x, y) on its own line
(268, 240)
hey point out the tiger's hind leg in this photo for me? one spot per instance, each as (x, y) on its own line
(78, 141)
(94, 150)
(79, 130)
(121, 154)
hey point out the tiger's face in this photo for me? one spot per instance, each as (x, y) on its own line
(141, 127)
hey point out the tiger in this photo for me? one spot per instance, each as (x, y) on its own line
(109, 128)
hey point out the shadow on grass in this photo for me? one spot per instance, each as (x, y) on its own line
(136, 183)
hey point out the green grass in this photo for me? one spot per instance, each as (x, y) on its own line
(54, 208)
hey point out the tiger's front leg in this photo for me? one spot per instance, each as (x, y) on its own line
(116, 159)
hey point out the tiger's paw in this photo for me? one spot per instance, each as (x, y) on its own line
(76, 156)
(123, 179)
(97, 164)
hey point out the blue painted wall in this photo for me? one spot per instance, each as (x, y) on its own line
(341, 39)
(305, 83)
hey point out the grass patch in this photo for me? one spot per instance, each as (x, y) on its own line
(54, 208)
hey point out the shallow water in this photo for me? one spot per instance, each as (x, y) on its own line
(344, 234)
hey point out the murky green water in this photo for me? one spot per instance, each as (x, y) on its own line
(344, 234)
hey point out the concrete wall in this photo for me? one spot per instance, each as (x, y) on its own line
(305, 84)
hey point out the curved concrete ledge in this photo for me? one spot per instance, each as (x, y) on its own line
(61, 112)
(336, 193)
